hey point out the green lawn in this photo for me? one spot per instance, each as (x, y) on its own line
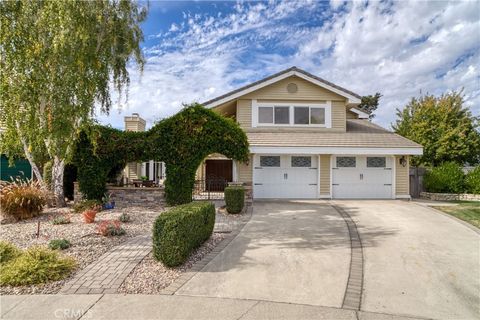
(468, 211)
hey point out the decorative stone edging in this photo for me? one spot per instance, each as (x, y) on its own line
(185, 277)
(449, 196)
(353, 293)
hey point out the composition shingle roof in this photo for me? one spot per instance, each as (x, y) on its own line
(360, 133)
(279, 74)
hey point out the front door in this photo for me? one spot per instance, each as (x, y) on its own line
(217, 174)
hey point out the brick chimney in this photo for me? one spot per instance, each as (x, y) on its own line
(133, 170)
(134, 123)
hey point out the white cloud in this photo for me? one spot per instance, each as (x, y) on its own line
(397, 48)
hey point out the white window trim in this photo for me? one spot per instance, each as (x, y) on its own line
(327, 106)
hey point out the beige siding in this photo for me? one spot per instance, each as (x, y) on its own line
(324, 174)
(244, 171)
(351, 115)
(402, 186)
(338, 115)
(244, 113)
(306, 91)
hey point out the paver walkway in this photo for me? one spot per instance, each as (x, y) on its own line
(107, 273)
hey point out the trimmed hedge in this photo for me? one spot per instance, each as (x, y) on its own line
(472, 181)
(177, 232)
(448, 178)
(234, 199)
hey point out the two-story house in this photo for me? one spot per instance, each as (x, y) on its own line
(309, 140)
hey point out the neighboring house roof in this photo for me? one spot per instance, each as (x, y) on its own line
(352, 97)
(360, 134)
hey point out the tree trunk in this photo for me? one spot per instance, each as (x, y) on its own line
(57, 181)
(29, 157)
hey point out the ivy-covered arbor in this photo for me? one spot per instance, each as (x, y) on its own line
(181, 141)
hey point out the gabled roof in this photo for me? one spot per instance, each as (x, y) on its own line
(352, 97)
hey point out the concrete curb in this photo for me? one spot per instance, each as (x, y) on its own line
(466, 224)
(353, 292)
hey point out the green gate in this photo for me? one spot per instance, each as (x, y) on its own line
(21, 169)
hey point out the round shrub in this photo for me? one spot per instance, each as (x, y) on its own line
(61, 219)
(36, 265)
(110, 228)
(8, 252)
(447, 178)
(472, 181)
(124, 217)
(61, 244)
(234, 199)
(177, 232)
(22, 199)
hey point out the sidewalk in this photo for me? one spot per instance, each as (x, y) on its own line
(140, 307)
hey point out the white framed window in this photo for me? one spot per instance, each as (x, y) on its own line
(346, 162)
(273, 115)
(308, 115)
(265, 115)
(291, 114)
(376, 162)
(301, 161)
(269, 161)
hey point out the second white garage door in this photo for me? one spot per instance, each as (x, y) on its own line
(362, 177)
(285, 176)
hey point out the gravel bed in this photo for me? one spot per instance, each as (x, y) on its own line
(151, 276)
(87, 245)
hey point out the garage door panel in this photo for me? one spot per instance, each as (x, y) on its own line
(285, 181)
(361, 181)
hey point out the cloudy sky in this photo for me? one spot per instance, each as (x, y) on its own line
(199, 50)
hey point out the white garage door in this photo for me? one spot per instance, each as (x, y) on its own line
(285, 176)
(359, 177)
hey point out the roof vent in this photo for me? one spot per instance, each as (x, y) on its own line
(292, 87)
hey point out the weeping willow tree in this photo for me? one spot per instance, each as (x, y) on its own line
(59, 59)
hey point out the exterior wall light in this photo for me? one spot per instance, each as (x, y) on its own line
(403, 161)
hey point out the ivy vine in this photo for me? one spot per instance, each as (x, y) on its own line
(182, 142)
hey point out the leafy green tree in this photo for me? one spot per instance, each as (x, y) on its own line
(444, 126)
(59, 59)
(370, 103)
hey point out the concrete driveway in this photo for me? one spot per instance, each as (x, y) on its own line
(288, 252)
(416, 261)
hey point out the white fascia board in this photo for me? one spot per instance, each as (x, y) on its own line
(361, 114)
(351, 99)
(336, 150)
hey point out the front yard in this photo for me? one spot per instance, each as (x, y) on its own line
(86, 244)
(468, 211)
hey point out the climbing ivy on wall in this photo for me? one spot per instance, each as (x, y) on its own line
(182, 141)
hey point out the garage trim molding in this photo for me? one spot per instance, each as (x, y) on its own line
(336, 150)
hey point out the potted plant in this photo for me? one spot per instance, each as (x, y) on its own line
(108, 203)
(89, 215)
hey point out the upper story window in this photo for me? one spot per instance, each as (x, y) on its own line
(295, 115)
(309, 115)
(274, 115)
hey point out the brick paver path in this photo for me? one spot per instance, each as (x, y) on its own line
(106, 274)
